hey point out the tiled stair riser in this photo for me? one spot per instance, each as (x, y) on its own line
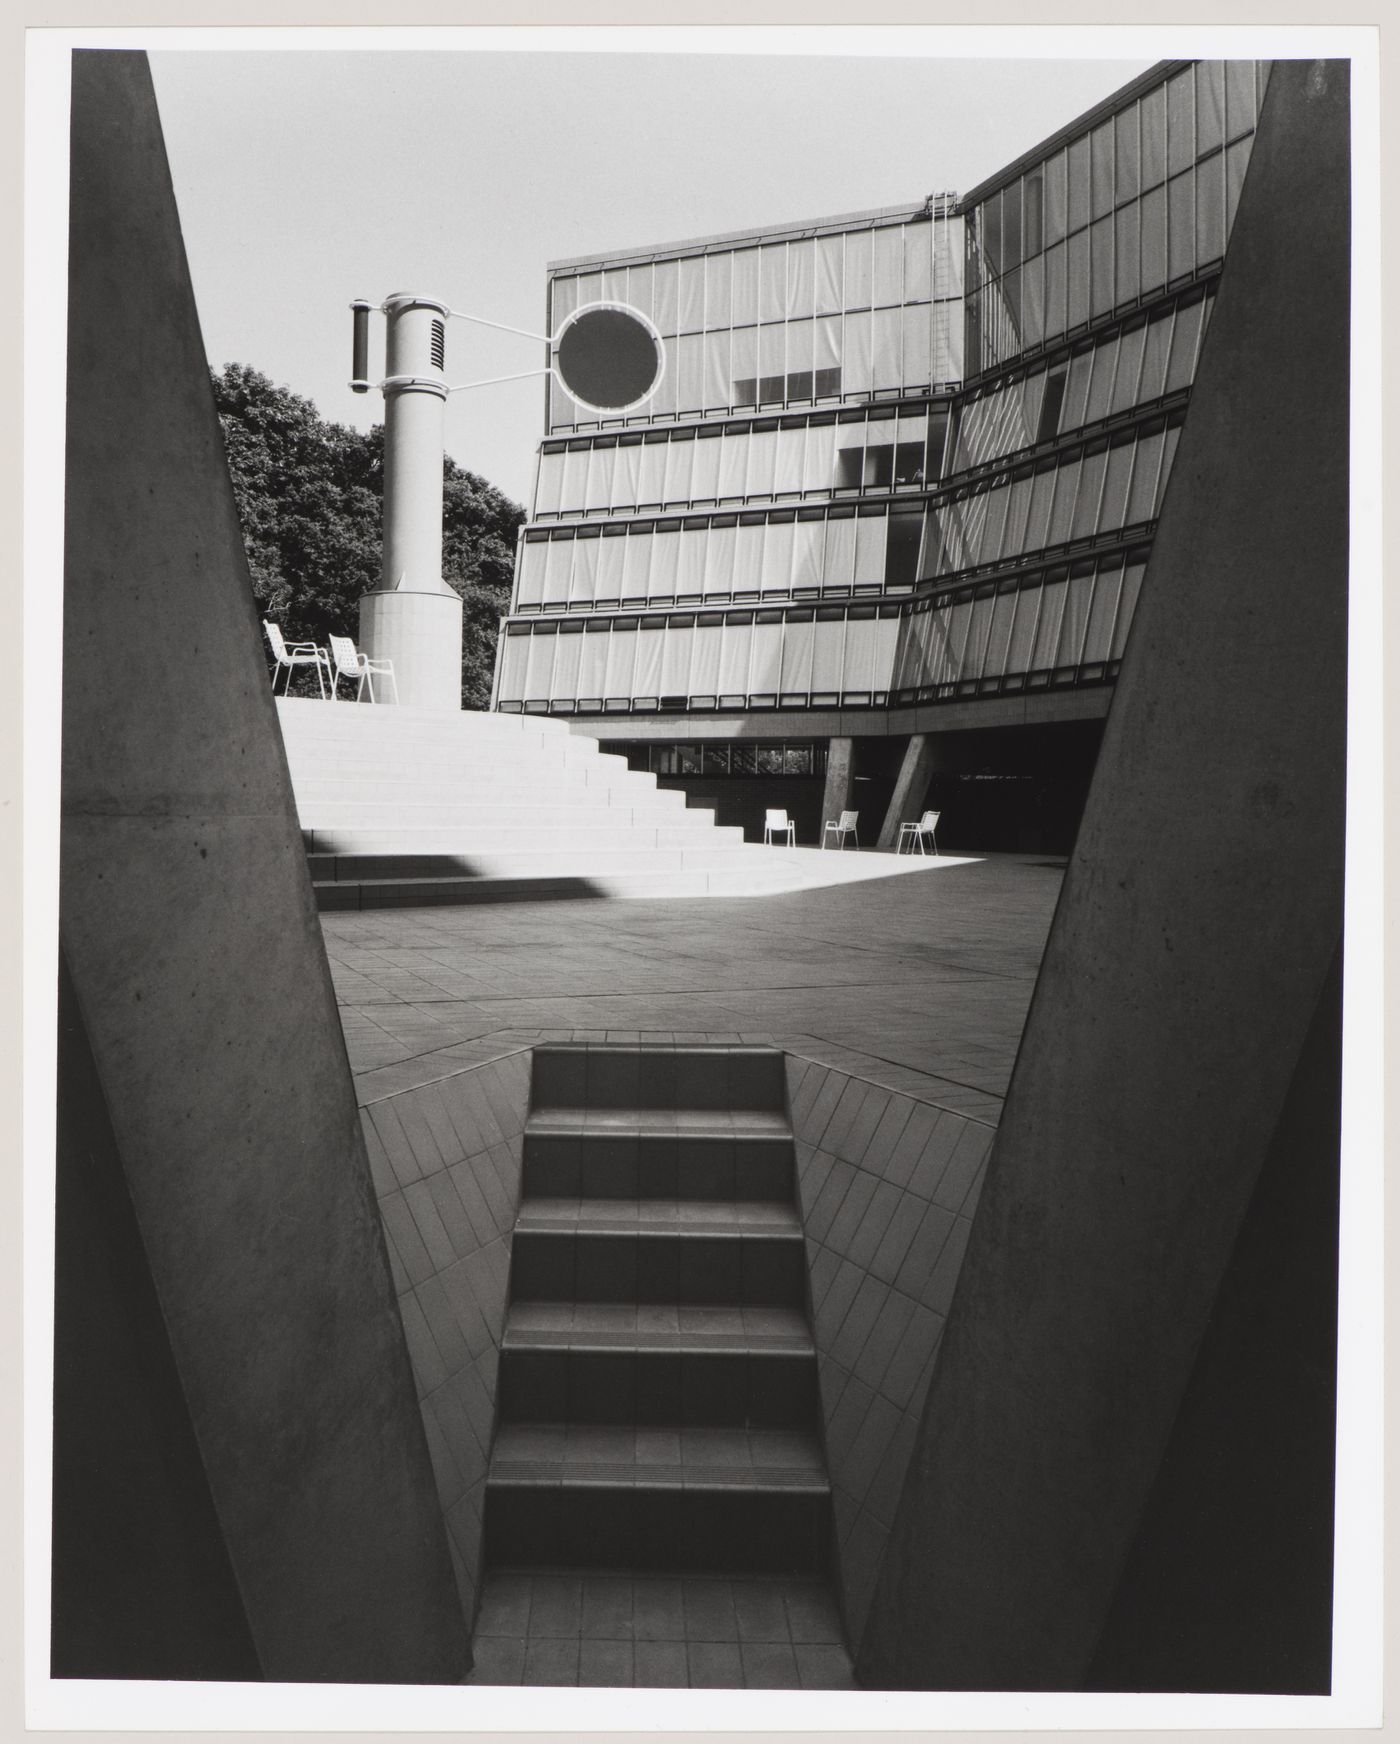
(446, 1163)
(887, 1186)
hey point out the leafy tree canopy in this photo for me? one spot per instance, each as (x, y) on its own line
(310, 497)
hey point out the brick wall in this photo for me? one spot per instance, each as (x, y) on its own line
(887, 1185)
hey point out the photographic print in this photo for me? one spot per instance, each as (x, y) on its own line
(701, 880)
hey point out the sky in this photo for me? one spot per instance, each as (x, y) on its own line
(305, 179)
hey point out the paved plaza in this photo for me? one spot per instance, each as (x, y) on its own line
(909, 979)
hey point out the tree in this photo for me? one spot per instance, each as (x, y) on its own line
(310, 498)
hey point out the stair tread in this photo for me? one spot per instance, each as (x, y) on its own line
(763, 1218)
(659, 1122)
(670, 1457)
(656, 1327)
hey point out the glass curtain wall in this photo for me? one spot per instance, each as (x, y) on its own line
(843, 454)
(873, 309)
(1141, 202)
(1068, 624)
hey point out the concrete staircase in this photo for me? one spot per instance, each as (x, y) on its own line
(407, 805)
(657, 1397)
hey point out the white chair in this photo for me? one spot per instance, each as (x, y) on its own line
(778, 823)
(351, 663)
(845, 827)
(290, 655)
(915, 833)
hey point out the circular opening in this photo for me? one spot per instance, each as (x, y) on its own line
(609, 357)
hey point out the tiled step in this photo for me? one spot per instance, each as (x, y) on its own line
(565, 884)
(723, 1377)
(757, 1524)
(649, 1630)
(572, 1153)
(641, 1081)
(643, 1258)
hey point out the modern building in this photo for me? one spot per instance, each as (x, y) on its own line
(895, 494)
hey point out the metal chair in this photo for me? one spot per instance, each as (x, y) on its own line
(351, 663)
(778, 823)
(845, 827)
(290, 655)
(912, 833)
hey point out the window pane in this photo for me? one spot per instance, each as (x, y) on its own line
(870, 549)
(795, 673)
(1210, 106)
(994, 505)
(665, 561)
(719, 560)
(1079, 279)
(999, 639)
(1101, 256)
(1055, 290)
(818, 456)
(1181, 123)
(717, 371)
(1018, 654)
(777, 557)
(800, 266)
(1037, 534)
(859, 250)
(690, 571)
(549, 477)
(557, 567)
(679, 457)
(828, 274)
(1210, 209)
(918, 262)
(1101, 162)
(529, 576)
(1047, 634)
(838, 565)
(1143, 493)
(734, 659)
(1033, 301)
(1078, 183)
(975, 651)
(568, 652)
(1101, 387)
(1182, 368)
(539, 666)
(1056, 198)
(1062, 513)
(772, 299)
(885, 356)
(1154, 240)
(1173, 436)
(1114, 507)
(1154, 358)
(762, 456)
(1127, 177)
(1236, 163)
(1011, 252)
(1181, 225)
(733, 462)
(691, 315)
(745, 287)
(608, 585)
(1128, 280)
(889, 264)
(1086, 510)
(1077, 393)
(1239, 97)
(1132, 582)
(787, 474)
(914, 366)
(828, 649)
(855, 362)
(654, 472)
(1075, 621)
(1032, 213)
(1099, 635)
(1125, 386)
(1152, 113)
(748, 559)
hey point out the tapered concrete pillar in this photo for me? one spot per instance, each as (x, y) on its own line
(248, 1265)
(414, 619)
(840, 781)
(1153, 1101)
(907, 801)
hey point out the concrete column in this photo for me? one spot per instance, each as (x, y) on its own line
(415, 619)
(1187, 961)
(200, 974)
(840, 781)
(907, 800)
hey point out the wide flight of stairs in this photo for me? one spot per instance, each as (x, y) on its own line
(658, 1390)
(413, 805)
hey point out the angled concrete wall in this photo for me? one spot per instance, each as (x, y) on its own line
(1198, 921)
(197, 962)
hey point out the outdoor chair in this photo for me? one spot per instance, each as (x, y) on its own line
(915, 833)
(351, 663)
(778, 823)
(290, 655)
(846, 826)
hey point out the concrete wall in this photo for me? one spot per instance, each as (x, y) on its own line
(887, 1185)
(1196, 928)
(188, 924)
(446, 1163)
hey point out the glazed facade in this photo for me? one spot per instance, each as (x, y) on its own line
(899, 460)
